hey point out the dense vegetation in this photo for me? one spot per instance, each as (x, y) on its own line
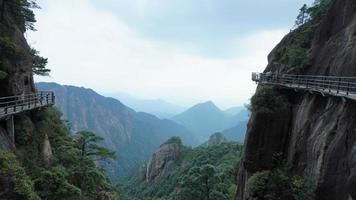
(70, 172)
(206, 173)
(268, 99)
(295, 54)
(279, 183)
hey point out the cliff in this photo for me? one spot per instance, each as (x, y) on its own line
(15, 61)
(314, 135)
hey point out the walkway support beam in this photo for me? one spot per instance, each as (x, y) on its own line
(10, 127)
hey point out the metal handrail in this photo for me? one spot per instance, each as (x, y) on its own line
(334, 85)
(16, 104)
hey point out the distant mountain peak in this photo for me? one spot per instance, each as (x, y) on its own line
(209, 105)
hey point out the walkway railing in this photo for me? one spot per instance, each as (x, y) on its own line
(331, 85)
(17, 104)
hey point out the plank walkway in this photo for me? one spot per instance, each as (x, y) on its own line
(325, 85)
(17, 104)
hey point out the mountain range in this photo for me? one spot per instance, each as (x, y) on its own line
(133, 135)
(206, 118)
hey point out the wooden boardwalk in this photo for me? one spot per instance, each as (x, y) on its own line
(325, 85)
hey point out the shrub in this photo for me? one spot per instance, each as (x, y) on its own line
(22, 185)
(296, 57)
(319, 9)
(268, 100)
(52, 184)
(174, 140)
(3, 75)
(279, 184)
(8, 48)
(295, 53)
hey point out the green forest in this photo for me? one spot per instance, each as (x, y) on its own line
(198, 173)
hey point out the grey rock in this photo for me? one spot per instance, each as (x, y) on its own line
(161, 161)
(317, 136)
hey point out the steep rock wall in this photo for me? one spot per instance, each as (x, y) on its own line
(317, 136)
(15, 60)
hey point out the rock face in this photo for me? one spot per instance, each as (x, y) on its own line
(161, 161)
(5, 143)
(47, 151)
(15, 61)
(317, 135)
(18, 66)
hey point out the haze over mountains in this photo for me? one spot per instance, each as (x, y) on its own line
(133, 135)
(206, 118)
(158, 107)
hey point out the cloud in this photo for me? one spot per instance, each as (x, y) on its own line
(95, 48)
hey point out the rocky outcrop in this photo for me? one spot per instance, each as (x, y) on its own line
(47, 151)
(162, 160)
(316, 135)
(216, 139)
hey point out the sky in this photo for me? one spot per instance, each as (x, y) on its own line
(182, 51)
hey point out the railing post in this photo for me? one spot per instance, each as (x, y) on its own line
(11, 129)
(15, 105)
(41, 98)
(53, 98)
(338, 85)
(348, 88)
(323, 83)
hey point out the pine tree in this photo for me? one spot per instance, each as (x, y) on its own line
(39, 64)
(303, 16)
